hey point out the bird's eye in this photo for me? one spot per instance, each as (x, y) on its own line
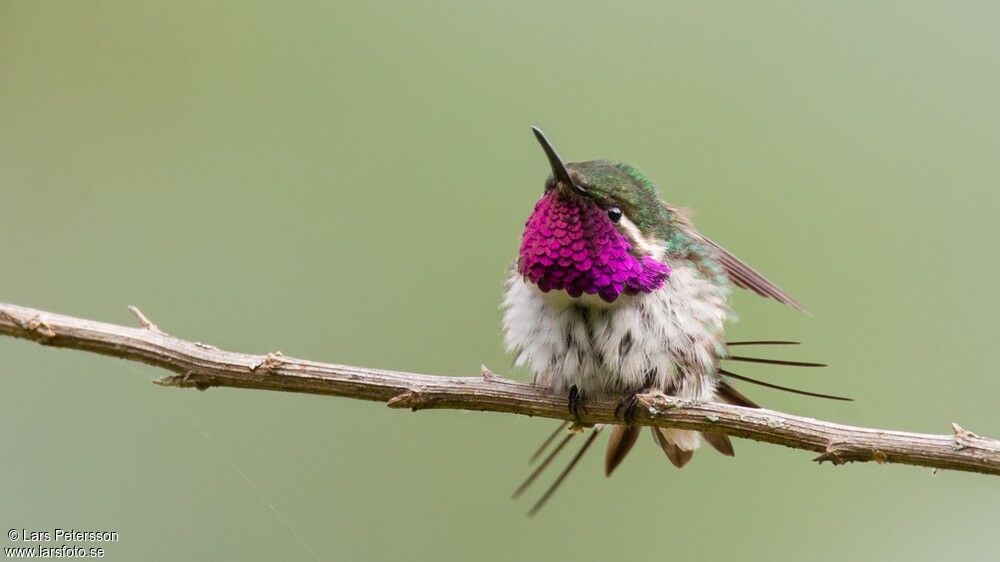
(615, 213)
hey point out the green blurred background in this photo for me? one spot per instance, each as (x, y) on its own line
(347, 183)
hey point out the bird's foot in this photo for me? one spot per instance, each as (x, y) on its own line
(628, 408)
(576, 403)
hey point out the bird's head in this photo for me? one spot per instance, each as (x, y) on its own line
(599, 228)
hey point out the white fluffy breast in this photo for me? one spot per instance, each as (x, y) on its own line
(669, 339)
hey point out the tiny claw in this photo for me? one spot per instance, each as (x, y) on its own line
(628, 409)
(575, 402)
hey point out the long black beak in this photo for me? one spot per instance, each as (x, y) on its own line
(558, 168)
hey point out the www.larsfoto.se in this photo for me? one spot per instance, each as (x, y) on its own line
(61, 551)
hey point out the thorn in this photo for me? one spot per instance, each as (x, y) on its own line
(400, 400)
(831, 455)
(39, 326)
(169, 380)
(200, 385)
(965, 439)
(145, 322)
(655, 402)
(270, 362)
(412, 399)
(35, 324)
(488, 375)
(183, 381)
(828, 456)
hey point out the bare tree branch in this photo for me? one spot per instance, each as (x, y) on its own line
(202, 366)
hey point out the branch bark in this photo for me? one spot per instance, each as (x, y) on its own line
(201, 366)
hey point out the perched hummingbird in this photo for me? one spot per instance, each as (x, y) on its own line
(614, 293)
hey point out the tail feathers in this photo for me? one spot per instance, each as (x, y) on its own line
(678, 444)
(562, 475)
(687, 440)
(541, 467)
(545, 444)
(619, 444)
(730, 395)
(720, 443)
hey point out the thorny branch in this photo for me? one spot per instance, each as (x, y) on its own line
(203, 366)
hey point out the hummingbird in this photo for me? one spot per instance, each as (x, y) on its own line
(614, 293)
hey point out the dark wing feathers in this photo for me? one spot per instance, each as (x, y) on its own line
(744, 277)
(730, 395)
(619, 444)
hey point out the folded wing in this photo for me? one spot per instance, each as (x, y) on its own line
(744, 276)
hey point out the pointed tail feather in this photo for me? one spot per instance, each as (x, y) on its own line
(785, 388)
(726, 393)
(774, 361)
(541, 467)
(548, 441)
(678, 444)
(762, 342)
(730, 395)
(719, 442)
(619, 444)
(562, 475)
